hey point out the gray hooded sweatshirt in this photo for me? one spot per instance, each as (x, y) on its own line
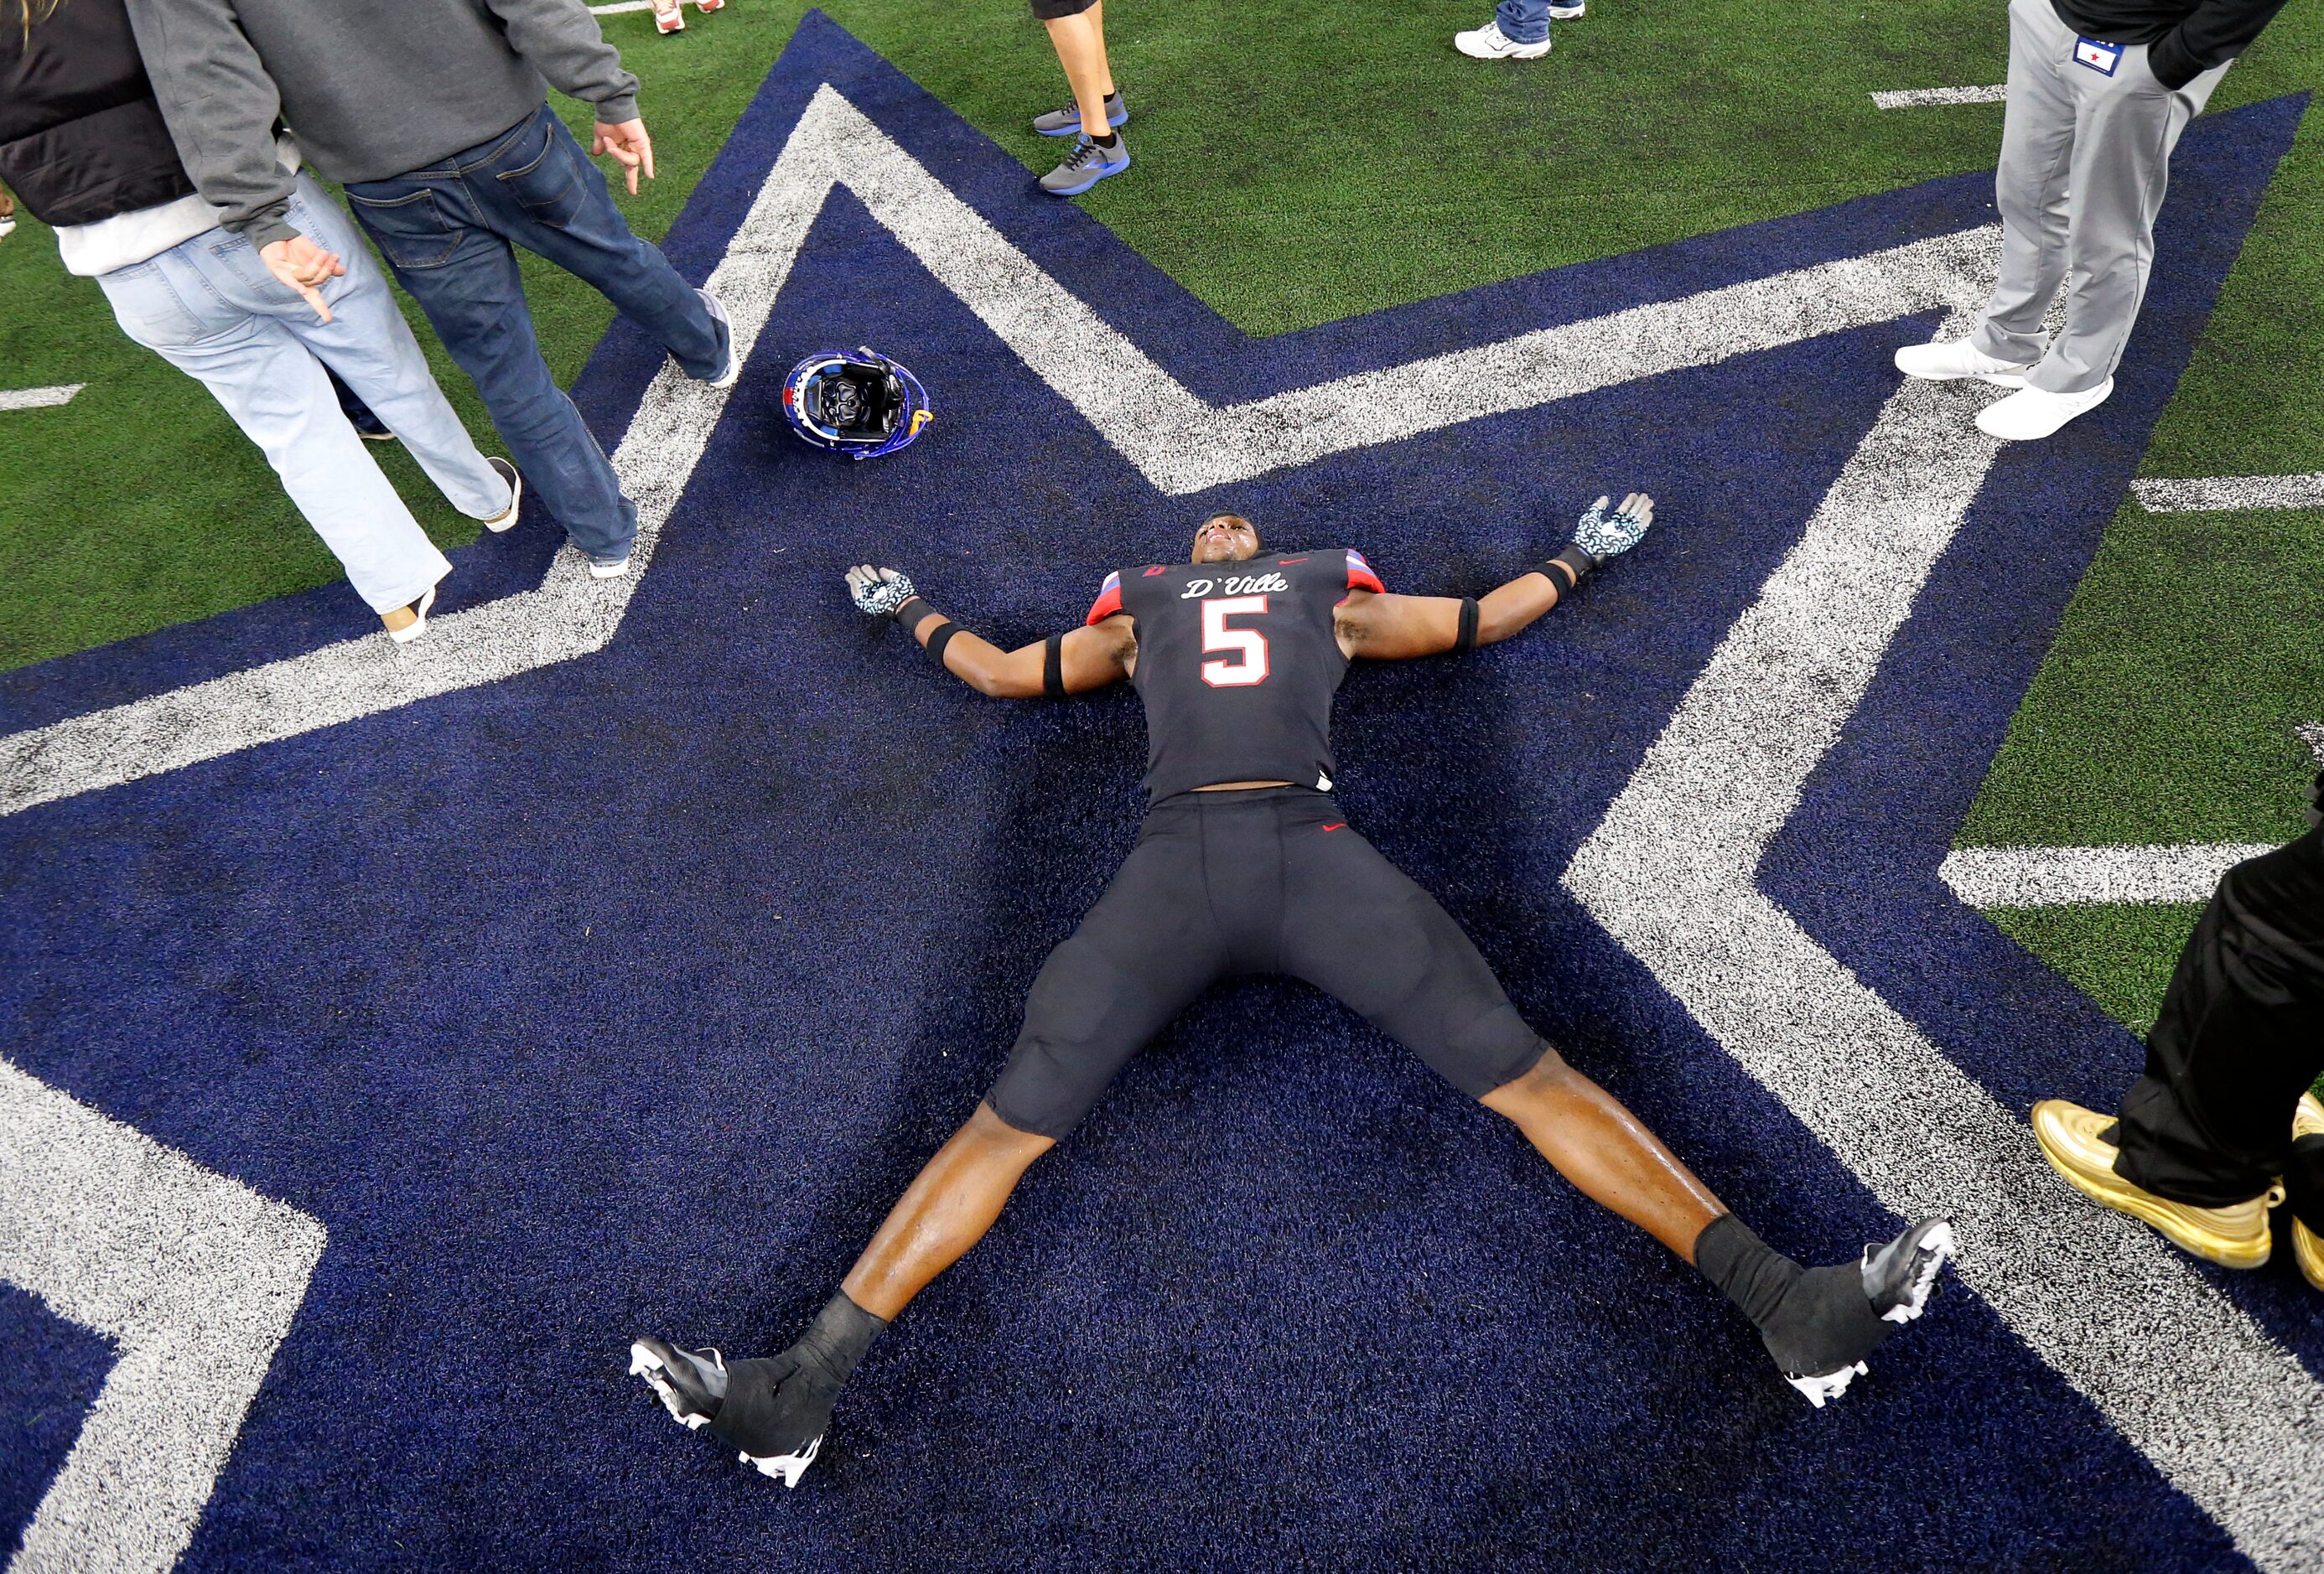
(371, 88)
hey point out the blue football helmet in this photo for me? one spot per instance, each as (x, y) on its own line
(859, 403)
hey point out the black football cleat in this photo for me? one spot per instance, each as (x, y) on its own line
(1897, 1280)
(692, 1384)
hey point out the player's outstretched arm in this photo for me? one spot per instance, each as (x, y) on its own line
(1392, 628)
(1062, 664)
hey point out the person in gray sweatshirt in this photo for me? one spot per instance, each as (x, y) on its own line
(433, 114)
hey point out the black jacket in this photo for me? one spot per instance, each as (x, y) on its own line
(2185, 38)
(81, 138)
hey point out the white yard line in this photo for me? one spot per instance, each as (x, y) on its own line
(2230, 491)
(2075, 877)
(2229, 1415)
(195, 1278)
(1931, 98)
(39, 398)
(616, 10)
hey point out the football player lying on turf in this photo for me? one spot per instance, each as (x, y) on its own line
(1244, 865)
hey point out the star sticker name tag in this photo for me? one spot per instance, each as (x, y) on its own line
(2097, 55)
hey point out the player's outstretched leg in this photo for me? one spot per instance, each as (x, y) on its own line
(774, 1409)
(1818, 1324)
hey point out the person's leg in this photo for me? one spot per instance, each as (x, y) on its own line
(538, 189)
(1358, 928)
(179, 305)
(1140, 956)
(1079, 39)
(369, 344)
(1523, 21)
(2239, 1038)
(2129, 122)
(464, 277)
(2037, 144)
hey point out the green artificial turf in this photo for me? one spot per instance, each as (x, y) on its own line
(1300, 162)
(2119, 956)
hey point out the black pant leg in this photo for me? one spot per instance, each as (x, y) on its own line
(1358, 928)
(2240, 1036)
(1136, 960)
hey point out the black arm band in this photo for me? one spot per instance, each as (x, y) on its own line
(908, 616)
(1053, 666)
(940, 639)
(1466, 639)
(1576, 561)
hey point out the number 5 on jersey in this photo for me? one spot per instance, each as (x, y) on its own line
(1248, 645)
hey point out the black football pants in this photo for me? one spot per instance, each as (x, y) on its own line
(1259, 880)
(2240, 1037)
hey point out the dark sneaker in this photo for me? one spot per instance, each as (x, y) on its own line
(1067, 122)
(732, 369)
(1089, 163)
(774, 1409)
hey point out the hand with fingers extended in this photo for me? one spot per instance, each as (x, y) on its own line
(880, 593)
(302, 265)
(628, 145)
(1604, 536)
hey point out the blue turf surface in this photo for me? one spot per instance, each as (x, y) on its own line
(623, 996)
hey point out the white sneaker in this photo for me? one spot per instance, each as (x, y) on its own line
(418, 623)
(1488, 43)
(1959, 358)
(1565, 9)
(2030, 413)
(608, 570)
(506, 518)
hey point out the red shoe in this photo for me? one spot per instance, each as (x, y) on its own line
(669, 15)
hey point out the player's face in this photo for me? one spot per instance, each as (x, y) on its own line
(1225, 538)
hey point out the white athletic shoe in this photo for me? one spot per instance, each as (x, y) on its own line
(2030, 413)
(1488, 43)
(506, 518)
(1566, 10)
(608, 570)
(1959, 358)
(418, 623)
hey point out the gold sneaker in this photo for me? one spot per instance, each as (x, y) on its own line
(2234, 1237)
(2306, 1246)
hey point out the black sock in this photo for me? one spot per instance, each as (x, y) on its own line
(1748, 1271)
(1812, 1321)
(839, 1335)
(1108, 141)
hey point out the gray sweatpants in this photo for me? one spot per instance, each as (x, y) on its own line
(2084, 160)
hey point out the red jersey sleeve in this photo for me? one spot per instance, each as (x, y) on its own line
(1361, 575)
(1108, 603)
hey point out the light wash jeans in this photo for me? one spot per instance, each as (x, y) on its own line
(209, 308)
(1523, 21)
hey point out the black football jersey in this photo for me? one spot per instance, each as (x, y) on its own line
(1237, 665)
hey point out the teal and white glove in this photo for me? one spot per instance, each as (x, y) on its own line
(1599, 535)
(882, 592)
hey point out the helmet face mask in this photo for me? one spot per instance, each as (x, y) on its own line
(859, 403)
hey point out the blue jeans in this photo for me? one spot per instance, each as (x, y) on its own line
(208, 307)
(1523, 21)
(450, 230)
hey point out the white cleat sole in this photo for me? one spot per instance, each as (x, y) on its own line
(786, 1467)
(1821, 1391)
(1943, 1247)
(644, 1363)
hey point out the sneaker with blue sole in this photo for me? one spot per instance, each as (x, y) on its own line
(1090, 163)
(1067, 122)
